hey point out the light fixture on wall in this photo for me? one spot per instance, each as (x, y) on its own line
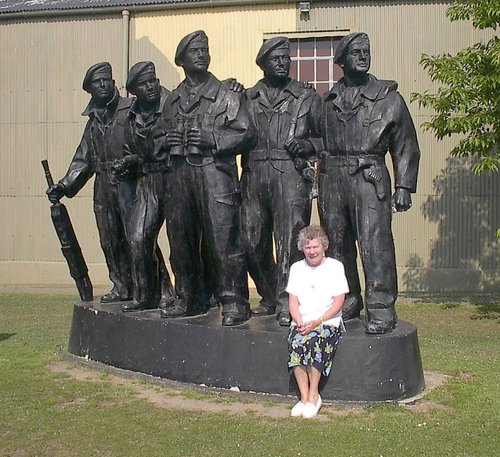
(304, 8)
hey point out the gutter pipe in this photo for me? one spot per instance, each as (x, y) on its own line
(125, 45)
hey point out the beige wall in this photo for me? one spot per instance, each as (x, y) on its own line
(234, 38)
(43, 99)
(440, 244)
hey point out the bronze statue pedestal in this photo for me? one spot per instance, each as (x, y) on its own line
(252, 356)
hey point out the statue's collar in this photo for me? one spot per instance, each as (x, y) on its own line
(370, 90)
(163, 97)
(110, 106)
(292, 87)
(210, 88)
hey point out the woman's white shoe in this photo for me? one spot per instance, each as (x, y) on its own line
(311, 409)
(298, 409)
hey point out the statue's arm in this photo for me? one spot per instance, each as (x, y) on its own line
(403, 147)
(80, 169)
(234, 129)
(314, 116)
(405, 153)
(307, 141)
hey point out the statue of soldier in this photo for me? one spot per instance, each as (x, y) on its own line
(362, 119)
(207, 124)
(277, 177)
(100, 146)
(145, 159)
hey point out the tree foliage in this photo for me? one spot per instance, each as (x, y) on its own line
(468, 101)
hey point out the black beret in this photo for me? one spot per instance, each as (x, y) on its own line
(270, 45)
(344, 44)
(183, 44)
(101, 69)
(140, 68)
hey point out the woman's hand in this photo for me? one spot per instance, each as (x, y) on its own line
(308, 327)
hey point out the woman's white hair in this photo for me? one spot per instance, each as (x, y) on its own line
(312, 232)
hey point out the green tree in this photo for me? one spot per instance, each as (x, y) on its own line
(468, 103)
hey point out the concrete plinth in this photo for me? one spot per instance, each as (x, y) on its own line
(253, 356)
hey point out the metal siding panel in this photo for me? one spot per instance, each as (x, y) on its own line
(411, 239)
(7, 159)
(455, 213)
(7, 228)
(234, 38)
(43, 120)
(29, 151)
(411, 233)
(27, 223)
(87, 40)
(63, 139)
(330, 16)
(449, 232)
(23, 52)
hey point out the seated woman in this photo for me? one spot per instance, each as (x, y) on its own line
(316, 288)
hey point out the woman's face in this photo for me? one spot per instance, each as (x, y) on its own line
(314, 252)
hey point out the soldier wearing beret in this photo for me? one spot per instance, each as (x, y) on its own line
(207, 124)
(363, 118)
(277, 176)
(100, 146)
(145, 160)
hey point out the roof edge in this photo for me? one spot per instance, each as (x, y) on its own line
(106, 10)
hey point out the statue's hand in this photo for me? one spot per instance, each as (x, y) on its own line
(125, 167)
(130, 160)
(173, 138)
(56, 192)
(298, 148)
(118, 166)
(235, 86)
(401, 200)
(201, 139)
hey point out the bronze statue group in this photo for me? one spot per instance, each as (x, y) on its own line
(170, 157)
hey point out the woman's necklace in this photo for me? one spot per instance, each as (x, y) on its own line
(312, 275)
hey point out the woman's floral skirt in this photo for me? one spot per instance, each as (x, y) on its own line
(317, 348)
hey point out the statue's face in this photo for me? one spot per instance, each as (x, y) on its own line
(147, 88)
(277, 64)
(196, 56)
(101, 88)
(358, 58)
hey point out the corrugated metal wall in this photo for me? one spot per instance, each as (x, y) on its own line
(234, 38)
(445, 242)
(43, 98)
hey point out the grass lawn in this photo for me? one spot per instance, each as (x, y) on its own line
(44, 412)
